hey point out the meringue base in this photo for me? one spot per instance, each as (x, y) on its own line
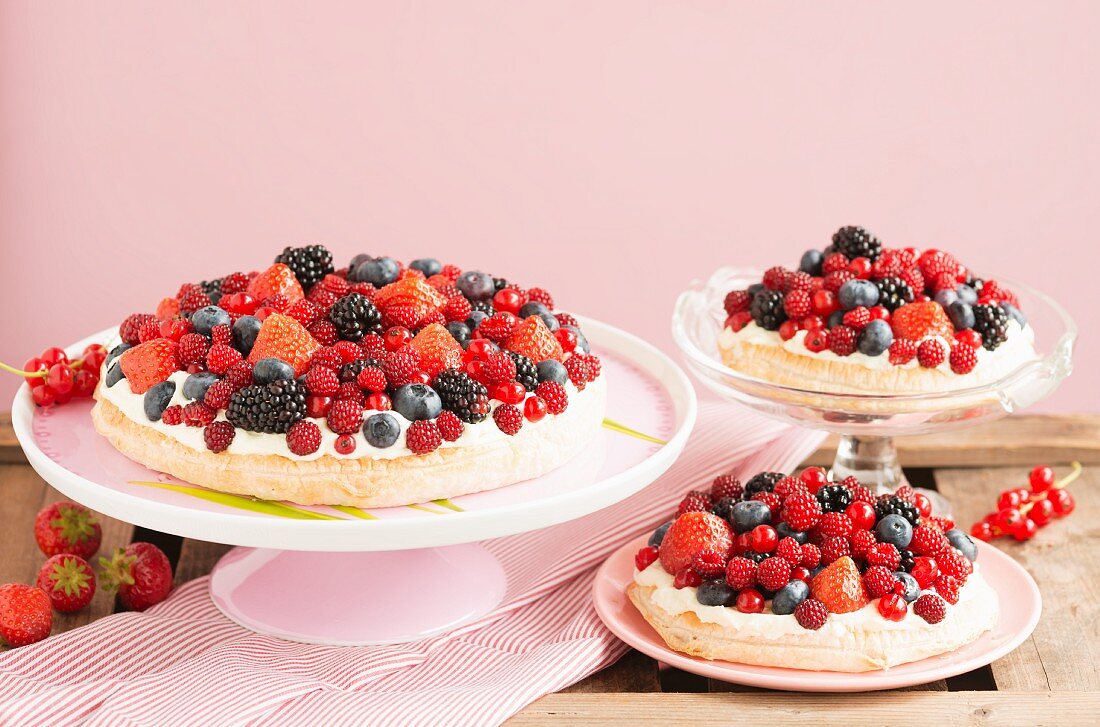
(364, 482)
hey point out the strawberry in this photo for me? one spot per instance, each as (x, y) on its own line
(65, 527)
(412, 293)
(692, 533)
(283, 337)
(840, 587)
(535, 341)
(438, 349)
(919, 320)
(168, 308)
(140, 573)
(276, 280)
(149, 363)
(69, 582)
(25, 615)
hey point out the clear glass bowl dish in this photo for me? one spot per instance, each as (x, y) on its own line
(868, 422)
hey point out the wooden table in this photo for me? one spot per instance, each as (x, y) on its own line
(1053, 678)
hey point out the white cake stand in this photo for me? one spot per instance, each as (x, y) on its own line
(349, 576)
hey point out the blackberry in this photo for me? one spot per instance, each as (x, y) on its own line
(767, 309)
(354, 317)
(270, 408)
(855, 242)
(907, 561)
(460, 394)
(724, 508)
(755, 557)
(526, 372)
(763, 482)
(890, 505)
(893, 293)
(500, 284)
(485, 306)
(834, 498)
(309, 264)
(213, 289)
(350, 371)
(992, 322)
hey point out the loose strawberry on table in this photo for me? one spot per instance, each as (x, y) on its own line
(139, 573)
(66, 527)
(69, 582)
(25, 614)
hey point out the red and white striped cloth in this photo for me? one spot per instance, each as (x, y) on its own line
(182, 662)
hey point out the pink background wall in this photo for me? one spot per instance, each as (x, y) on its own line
(621, 148)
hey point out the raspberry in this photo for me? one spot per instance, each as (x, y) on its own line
(220, 357)
(709, 564)
(218, 436)
(741, 573)
(902, 351)
(324, 332)
(326, 356)
(457, 309)
(364, 289)
(221, 334)
(832, 263)
(790, 550)
(774, 277)
(861, 494)
(499, 368)
(834, 548)
(217, 395)
(197, 414)
(963, 358)
(772, 500)
(913, 278)
(370, 378)
(509, 419)
(797, 304)
(811, 614)
(836, 279)
(555, 396)
(931, 608)
(303, 437)
(434, 316)
(566, 319)
(862, 543)
(927, 541)
(541, 295)
(842, 340)
(798, 280)
(239, 374)
(338, 285)
(450, 426)
(172, 415)
(857, 318)
(737, 301)
(789, 486)
(234, 283)
(350, 390)
(695, 502)
(322, 381)
(323, 298)
(774, 573)
(149, 330)
(192, 349)
(423, 436)
(801, 511)
(130, 329)
(348, 350)
(594, 366)
(931, 353)
(345, 416)
(878, 581)
(836, 524)
(373, 345)
(936, 262)
(305, 312)
(811, 555)
(400, 367)
(884, 554)
(580, 372)
(193, 299)
(953, 563)
(498, 327)
(726, 486)
(948, 587)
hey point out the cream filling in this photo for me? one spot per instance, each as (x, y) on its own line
(766, 626)
(1018, 348)
(246, 442)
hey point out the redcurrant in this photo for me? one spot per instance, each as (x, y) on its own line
(763, 538)
(1041, 478)
(749, 600)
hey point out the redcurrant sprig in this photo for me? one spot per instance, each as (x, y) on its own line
(54, 378)
(1021, 511)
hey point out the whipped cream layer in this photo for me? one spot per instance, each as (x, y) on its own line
(976, 597)
(246, 442)
(1017, 349)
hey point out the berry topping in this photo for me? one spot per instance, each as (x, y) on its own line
(508, 418)
(423, 437)
(811, 614)
(917, 321)
(839, 587)
(855, 242)
(278, 280)
(284, 338)
(218, 436)
(354, 316)
(272, 408)
(309, 264)
(691, 534)
(931, 608)
(303, 438)
(149, 363)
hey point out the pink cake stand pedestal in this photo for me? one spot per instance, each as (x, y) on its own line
(350, 576)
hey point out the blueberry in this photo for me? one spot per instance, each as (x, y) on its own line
(748, 514)
(1015, 313)
(816, 569)
(811, 262)
(789, 596)
(195, 385)
(476, 285)
(475, 319)
(783, 530)
(855, 293)
(836, 318)
(459, 331)
(427, 265)
(894, 529)
(551, 370)
(582, 342)
(118, 351)
(157, 398)
(378, 272)
(912, 588)
(381, 430)
(205, 318)
(946, 297)
(963, 542)
(534, 308)
(417, 401)
(961, 315)
(357, 261)
(875, 338)
(268, 370)
(967, 294)
(245, 331)
(715, 593)
(659, 534)
(551, 322)
(114, 375)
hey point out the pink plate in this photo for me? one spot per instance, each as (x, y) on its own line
(1019, 615)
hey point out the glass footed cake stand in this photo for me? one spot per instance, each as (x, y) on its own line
(868, 423)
